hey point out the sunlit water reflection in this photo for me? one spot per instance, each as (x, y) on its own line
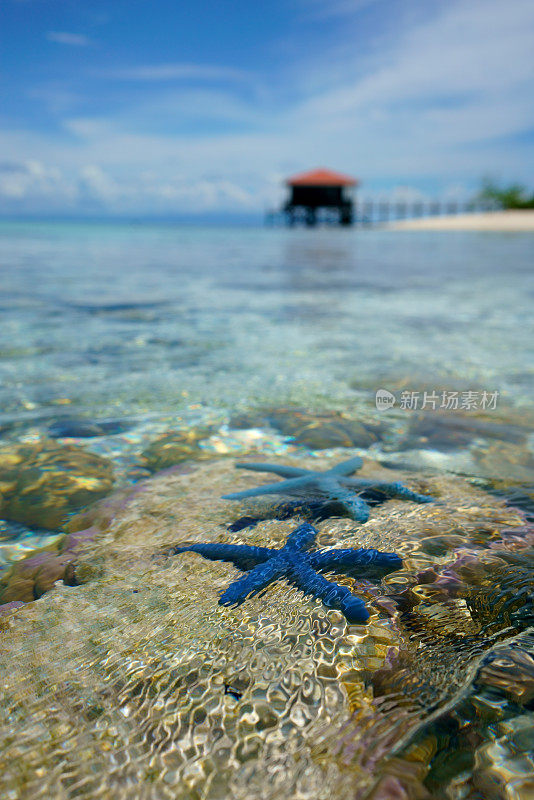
(115, 335)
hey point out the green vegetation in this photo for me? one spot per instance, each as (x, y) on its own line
(513, 196)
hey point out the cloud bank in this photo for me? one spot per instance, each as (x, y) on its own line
(72, 39)
(438, 103)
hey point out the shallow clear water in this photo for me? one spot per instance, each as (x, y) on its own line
(146, 320)
(137, 330)
(160, 325)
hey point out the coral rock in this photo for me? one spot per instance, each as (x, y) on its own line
(136, 684)
(31, 577)
(173, 447)
(43, 483)
(318, 431)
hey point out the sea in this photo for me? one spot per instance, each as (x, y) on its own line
(144, 321)
(153, 326)
(116, 334)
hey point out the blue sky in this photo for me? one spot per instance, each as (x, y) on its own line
(130, 106)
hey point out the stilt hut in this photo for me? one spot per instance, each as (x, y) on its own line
(320, 189)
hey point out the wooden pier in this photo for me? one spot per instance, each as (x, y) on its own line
(325, 197)
(370, 213)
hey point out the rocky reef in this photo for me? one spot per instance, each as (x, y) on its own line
(315, 430)
(173, 447)
(42, 483)
(135, 683)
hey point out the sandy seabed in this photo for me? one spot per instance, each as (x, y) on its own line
(490, 221)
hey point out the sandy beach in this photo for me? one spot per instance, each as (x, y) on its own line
(490, 221)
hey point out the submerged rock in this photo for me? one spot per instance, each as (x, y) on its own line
(510, 672)
(31, 577)
(316, 430)
(173, 447)
(504, 766)
(147, 688)
(446, 431)
(505, 465)
(86, 429)
(42, 483)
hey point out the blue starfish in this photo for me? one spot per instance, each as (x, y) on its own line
(294, 562)
(333, 484)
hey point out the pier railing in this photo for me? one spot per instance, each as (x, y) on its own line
(372, 212)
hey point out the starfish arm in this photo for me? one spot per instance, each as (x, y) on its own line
(357, 508)
(301, 538)
(283, 487)
(354, 505)
(357, 484)
(347, 467)
(332, 595)
(243, 556)
(398, 490)
(278, 469)
(253, 582)
(350, 559)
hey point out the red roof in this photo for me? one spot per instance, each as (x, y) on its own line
(321, 177)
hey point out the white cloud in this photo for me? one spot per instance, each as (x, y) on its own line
(19, 180)
(459, 68)
(72, 39)
(95, 184)
(30, 185)
(440, 102)
(336, 8)
(174, 72)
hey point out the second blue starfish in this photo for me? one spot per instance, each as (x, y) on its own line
(334, 485)
(302, 568)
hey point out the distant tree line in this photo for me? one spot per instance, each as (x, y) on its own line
(513, 196)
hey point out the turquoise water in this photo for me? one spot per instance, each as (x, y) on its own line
(147, 327)
(159, 324)
(271, 342)
(145, 321)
